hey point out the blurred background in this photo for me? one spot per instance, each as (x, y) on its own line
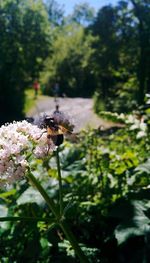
(93, 49)
(83, 57)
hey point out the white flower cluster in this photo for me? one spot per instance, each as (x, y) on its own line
(137, 124)
(17, 141)
(134, 122)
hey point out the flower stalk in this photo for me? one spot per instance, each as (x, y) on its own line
(69, 235)
(60, 182)
(18, 141)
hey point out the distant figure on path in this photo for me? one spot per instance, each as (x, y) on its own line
(56, 109)
(56, 92)
(36, 86)
(56, 89)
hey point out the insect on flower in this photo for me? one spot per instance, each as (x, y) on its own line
(56, 126)
(54, 130)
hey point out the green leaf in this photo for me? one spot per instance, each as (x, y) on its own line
(145, 167)
(44, 243)
(3, 213)
(30, 196)
(3, 210)
(7, 194)
(19, 218)
(134, 223)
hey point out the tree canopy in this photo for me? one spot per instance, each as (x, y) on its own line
(70, 61)
(105, 53)
(25, 43)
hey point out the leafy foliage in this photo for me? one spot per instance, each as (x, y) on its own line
(106, 172)
(106, 200)
(70, 62)
(25, 42)
(38, 41)
(121, 51)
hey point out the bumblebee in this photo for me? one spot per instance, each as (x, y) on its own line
(55, 131)
(55, 127)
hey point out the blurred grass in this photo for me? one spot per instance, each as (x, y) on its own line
(30, 100)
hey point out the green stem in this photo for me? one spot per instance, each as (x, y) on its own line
(61, 223)
(19, 218)
(60, 182)
(70, 236)
(46, 197)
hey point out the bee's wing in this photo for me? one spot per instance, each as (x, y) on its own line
(63, 130)
(57, 131)
(71, 136)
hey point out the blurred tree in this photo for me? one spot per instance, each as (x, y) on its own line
(55, 12)
(141, 10)
(122, 60)
(83, 14)
(70, 63)
(106, 49)
(24, 43)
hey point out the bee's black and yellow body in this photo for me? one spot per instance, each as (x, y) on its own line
(55, 132)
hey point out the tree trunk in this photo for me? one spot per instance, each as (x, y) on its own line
(142, 67)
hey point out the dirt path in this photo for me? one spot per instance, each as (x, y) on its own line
(79, 109)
